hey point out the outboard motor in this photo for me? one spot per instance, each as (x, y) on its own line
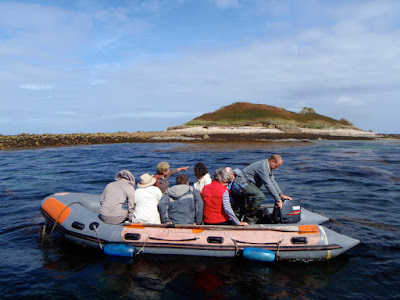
(290, 212)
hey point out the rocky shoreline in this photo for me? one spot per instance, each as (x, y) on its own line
(193, 134)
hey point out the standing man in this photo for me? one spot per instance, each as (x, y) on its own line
(251, 180)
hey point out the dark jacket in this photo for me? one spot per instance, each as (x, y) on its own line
(181, 204)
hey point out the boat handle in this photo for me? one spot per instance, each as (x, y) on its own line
(182, 240)
(252, 243)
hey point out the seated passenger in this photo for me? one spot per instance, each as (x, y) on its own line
(203, 178)
(217, 206)
(231, 183)
(235, 193)
(181, 204)
(147, 197)
(164, 173)
(115, 195)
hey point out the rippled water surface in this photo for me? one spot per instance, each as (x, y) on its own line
(356, 184)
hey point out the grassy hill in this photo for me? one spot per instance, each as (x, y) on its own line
(248, 114)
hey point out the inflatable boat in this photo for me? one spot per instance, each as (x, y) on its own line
(75, 215)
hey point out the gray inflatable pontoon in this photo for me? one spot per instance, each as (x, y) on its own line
(75, 215)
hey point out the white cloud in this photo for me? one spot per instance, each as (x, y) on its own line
(33, 86)
(67, 113)
(146, 114)
(227, 3)
(350, 101)
(98, 82)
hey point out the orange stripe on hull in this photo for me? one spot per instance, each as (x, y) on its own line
(136, 226)
(303, 229)
(54, 209)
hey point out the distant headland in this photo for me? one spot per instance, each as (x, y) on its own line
(238, 122)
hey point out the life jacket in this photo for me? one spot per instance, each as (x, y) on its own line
(213, 208)
(157, 184)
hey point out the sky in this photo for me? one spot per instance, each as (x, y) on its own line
(90, 66)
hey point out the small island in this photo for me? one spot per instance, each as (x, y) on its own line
(238, 122)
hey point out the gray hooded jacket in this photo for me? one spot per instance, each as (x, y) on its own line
(181, 204)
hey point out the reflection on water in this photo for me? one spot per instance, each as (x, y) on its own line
(153, 277)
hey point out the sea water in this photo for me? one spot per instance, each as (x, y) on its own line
(355, 183)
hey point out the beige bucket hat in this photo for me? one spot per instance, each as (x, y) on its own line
(146, 180)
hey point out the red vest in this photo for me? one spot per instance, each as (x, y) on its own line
(213, 209)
